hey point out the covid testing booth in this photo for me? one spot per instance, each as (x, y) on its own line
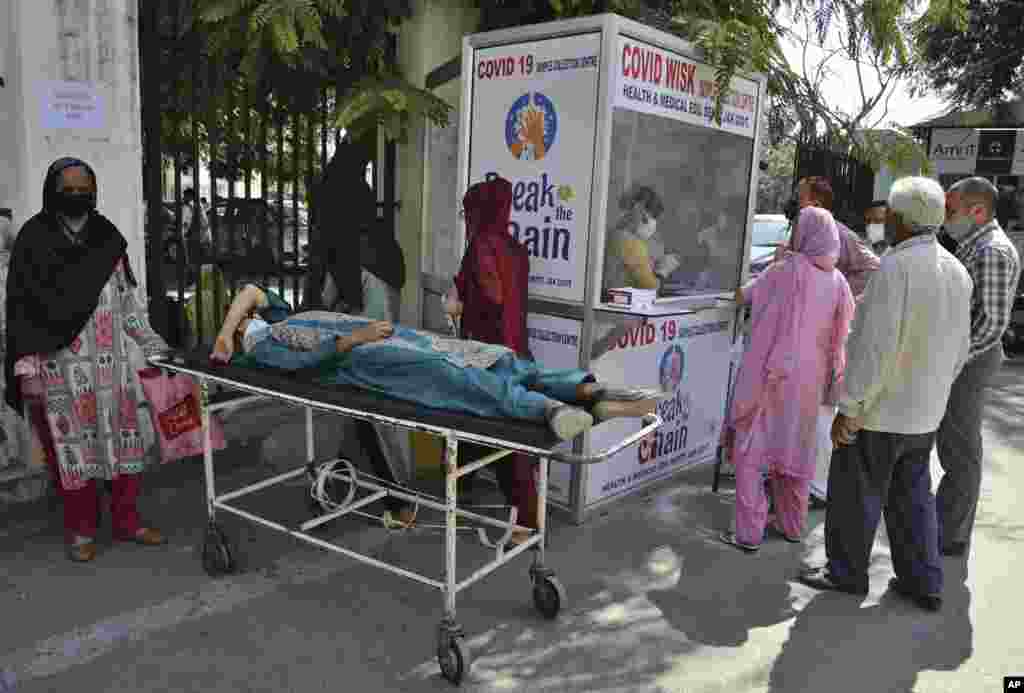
(634, 204)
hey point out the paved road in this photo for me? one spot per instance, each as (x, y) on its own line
(655, 604)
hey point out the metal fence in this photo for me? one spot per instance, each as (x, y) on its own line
(255, 159)
(853, 181)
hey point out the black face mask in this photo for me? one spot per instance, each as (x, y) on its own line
(76, 205)
(792, 209)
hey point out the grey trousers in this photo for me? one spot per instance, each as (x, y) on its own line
(960, 448)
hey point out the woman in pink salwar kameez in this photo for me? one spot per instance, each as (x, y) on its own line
(801, 309)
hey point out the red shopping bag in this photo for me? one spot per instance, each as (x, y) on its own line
(174, 401)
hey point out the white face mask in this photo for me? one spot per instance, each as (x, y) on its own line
(876, 232)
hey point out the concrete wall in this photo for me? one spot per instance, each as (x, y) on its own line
(430, 39)
(94, 44)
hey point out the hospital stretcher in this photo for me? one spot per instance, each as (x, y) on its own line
(506, 436)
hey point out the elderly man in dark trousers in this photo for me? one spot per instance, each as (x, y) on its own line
(910, 338)
(994, 265)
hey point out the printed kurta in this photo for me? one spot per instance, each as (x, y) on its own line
(89, 388)
(418, 367)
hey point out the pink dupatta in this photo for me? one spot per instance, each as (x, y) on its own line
(773, 354)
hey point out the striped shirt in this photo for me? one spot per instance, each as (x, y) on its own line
(994, 265)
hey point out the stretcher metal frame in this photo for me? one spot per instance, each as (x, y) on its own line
(452, 652)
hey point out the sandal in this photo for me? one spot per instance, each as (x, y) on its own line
(146, 536)
(775, 531)
(82, 550)
(403, 519)
(730, 539)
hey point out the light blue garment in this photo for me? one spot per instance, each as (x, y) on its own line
(408, 366)
(381, 301)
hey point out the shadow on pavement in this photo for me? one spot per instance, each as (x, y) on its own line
(651, 593)
(836, 645)
(725, 593)
(1004, 414)
(1004, 408)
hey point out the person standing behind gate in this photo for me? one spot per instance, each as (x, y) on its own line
(377, 295)
(910, 338)
(994, 265)
(72, 305)
(489, 296)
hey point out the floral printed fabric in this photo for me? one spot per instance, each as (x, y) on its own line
(305, 331)
(468, 354)
(88, 389)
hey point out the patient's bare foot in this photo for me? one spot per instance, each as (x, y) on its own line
(613, 409)
(600, 392)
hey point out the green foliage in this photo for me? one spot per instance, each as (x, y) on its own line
(299, 56)
(876, 37)
(291, 51)
(903, 155)
(774, 185)
(974, 54)
(388, 102)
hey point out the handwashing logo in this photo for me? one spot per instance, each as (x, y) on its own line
(671, 368)
(531, 126)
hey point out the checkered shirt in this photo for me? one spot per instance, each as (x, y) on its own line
(994, 265)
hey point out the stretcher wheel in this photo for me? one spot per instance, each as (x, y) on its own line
(218, 555)
(548, 595)
(453, 656)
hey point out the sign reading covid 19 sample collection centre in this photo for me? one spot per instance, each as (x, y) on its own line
(534, 116)
(687, 358)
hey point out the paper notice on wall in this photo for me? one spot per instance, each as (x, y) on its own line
(71, 106)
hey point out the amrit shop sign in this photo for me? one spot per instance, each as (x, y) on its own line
(984, 152)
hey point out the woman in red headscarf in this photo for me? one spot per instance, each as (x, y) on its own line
(490, 297)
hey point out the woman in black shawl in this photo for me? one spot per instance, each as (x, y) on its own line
(72, 304)
(361, 271)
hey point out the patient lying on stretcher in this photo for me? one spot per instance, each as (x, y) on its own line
(419, 367)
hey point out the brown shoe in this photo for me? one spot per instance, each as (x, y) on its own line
(403, 519)
(82, 553)
(148, 536)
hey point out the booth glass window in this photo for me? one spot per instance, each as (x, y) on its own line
(677, 206)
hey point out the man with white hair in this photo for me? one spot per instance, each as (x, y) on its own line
(910, 339)
(994, 265)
